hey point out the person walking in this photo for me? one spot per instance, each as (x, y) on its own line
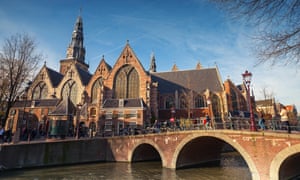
(207, 124)
(261, 123)
(1, 134)
(285, 119)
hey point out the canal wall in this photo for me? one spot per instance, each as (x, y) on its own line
(54, 152)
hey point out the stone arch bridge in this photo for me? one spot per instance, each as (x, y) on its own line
(269, 155)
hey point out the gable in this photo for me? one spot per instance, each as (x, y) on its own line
(103, 69)
(128, 57)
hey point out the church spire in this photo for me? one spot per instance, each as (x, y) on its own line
(76, 49)
(153, 64)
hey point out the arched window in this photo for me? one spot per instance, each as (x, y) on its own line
(183, 102)
(96, 90)
(40, 91)
(70, 90)
(120, 85)
(126, 83)
(133, 84)
(199, 101)
(234, 99)
(216, 107)
(169, 103)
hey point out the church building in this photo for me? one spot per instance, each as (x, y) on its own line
(119, 96)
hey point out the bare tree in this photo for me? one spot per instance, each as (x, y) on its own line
(268, 106)
(186, 101)
(18, 61)
(267, 94)
(278, 27)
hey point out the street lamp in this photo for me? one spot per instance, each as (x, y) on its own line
(77, 120)
(208, 101)
(247, 81)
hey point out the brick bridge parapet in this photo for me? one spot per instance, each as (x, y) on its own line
(264, 152)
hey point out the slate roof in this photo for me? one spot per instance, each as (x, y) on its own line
(196, 80)
(128, 103)
(65, 107)
(37, 103)
(54, 76)
(107, 65)
(85, 76)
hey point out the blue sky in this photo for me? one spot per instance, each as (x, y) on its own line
(176, 31)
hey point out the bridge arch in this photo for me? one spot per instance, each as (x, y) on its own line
(290, 156)
(220, 137)
(145, 144)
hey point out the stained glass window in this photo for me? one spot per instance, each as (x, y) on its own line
(40, 91)
(199, 101)
(70, 89)
(96, 90)
(126, 84)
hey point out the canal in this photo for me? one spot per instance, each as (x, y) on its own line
(232, 166)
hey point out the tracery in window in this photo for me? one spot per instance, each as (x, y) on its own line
(96, 90)
(70, 90)
(183, 102)
(216, 106)
(40, 91)
(234, 99)
(133, 84)
(126, 83)
(199, 101)
(169, 103)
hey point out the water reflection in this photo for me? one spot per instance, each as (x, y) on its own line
(232, 167)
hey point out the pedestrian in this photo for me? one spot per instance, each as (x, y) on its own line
(285, 119)
(207, 124)
(261, 122)
(1, 133)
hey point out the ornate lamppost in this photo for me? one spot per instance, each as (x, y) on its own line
(209, 104)
(247, 81)
(78, 119)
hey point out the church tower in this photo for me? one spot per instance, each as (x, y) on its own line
(76, 50)
(152, 63)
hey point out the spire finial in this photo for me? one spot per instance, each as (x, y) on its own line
(152, 63)
(80, 11)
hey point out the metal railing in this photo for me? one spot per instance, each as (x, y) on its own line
(236, 123)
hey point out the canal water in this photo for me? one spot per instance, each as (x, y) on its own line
(232, 167)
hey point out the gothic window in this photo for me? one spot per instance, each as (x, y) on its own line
(199, 101)
(183, 102)
(234, 99)
(40, 91)
(96, 90)
(120, 85)
(169, 103)
(133, 84)
(70, 90)
(216, 106)
(126, 83)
